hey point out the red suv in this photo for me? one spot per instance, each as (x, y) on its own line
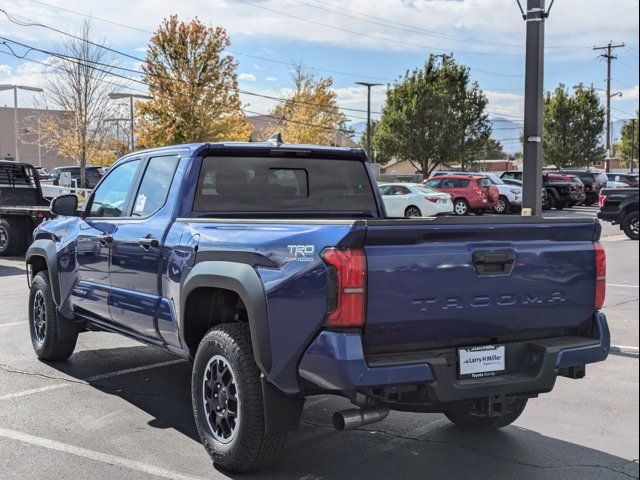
(469, 193)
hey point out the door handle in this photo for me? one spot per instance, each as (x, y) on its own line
(493, 263)
(148, 242)
(104, 239)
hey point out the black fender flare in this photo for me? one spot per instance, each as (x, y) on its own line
(627, 206)
(45, 249)
(553, 192)
(243, 280)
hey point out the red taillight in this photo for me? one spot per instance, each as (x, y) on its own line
(601, 276)
(432, 199)
(601, 200)
(347, 287)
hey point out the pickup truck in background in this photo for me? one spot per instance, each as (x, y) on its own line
(22, 206)
(620, 207)
(276, 270)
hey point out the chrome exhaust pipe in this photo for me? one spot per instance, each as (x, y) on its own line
(354, 418)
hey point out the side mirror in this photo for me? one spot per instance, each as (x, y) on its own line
(65, 205)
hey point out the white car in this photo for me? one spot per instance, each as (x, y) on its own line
(614, 184)
(414, 200)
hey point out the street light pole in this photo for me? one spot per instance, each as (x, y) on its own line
(15, 89)
(369, 85)
(130, 96)
(533, 105)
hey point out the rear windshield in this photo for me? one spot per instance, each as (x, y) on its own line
(484, 182)
(257, 184)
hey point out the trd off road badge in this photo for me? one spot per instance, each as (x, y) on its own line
(300, 253)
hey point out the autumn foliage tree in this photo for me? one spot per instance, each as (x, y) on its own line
(194, 86)
(310, 114)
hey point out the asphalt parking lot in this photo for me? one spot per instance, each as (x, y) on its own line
(118, 409)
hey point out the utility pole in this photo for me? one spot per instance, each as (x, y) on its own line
(633, 144)
(130, 96)
(609, 57)
(369, 85)
(533, 105)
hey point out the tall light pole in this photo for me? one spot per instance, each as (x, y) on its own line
(369, 85)
(534, 16)
(15, 89)
(130, 96)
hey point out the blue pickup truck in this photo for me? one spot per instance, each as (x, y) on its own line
(275, 270)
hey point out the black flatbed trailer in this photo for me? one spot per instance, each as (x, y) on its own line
(22, 206)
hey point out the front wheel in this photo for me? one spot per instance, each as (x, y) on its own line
(472, 416)
(502, 206)
(227, 401)
(53, 337)
(630, 225)
(461, 207)
(13, 237)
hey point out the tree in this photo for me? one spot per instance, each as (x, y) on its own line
(573, 126)
(362, 143)
(433, 115)
(78, 87)
(630, 134)
(493, 149)
(310, 114)
(194, 86)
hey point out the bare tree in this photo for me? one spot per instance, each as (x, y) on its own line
(80, 83)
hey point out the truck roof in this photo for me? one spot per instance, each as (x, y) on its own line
(261, 148)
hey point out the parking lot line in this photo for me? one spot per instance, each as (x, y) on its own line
(12, 324)
(621, 285)
(88, 381)
(93, 455)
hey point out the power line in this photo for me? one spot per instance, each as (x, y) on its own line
(244, 110)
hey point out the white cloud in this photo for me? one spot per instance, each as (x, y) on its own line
(629, 94)
(247, 77)
(5, 69)
(271, 79)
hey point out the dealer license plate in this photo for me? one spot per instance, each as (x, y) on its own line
(484, 361)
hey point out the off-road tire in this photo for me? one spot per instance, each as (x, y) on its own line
(14, 237)
(465, 417)
(250, 448)
(56, 340)
(630, 225)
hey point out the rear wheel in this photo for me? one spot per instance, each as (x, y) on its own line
(460, 207)
(630, 225)
(412, 211)
(502, 205)
(13, 237)
(471, 416)
(227, 401)
(53, 337)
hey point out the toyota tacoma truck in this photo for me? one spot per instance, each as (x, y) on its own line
(275, 270)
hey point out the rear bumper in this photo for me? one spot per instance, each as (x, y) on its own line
(609, 216)
(335, 361)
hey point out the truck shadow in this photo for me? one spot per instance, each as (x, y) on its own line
(403, 446)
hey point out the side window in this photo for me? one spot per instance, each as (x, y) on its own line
(433, 183)
(448, 183)
(384, 190)
(465, 183)
(109, 198)
(403, 191)
(155, 185)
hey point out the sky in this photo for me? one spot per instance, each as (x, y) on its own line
(353, 40)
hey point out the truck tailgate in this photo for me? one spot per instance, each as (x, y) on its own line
(433, 284)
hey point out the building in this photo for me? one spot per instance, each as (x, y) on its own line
(615, 164)
(29, 144)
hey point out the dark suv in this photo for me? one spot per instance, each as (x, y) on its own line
(630, 179)
(91, 175)
(594, 181)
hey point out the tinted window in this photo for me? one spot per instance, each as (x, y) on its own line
(109, 198)
(155, 185)
(484, 182)
(433, 183)
(283, 185)
(384, 189)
